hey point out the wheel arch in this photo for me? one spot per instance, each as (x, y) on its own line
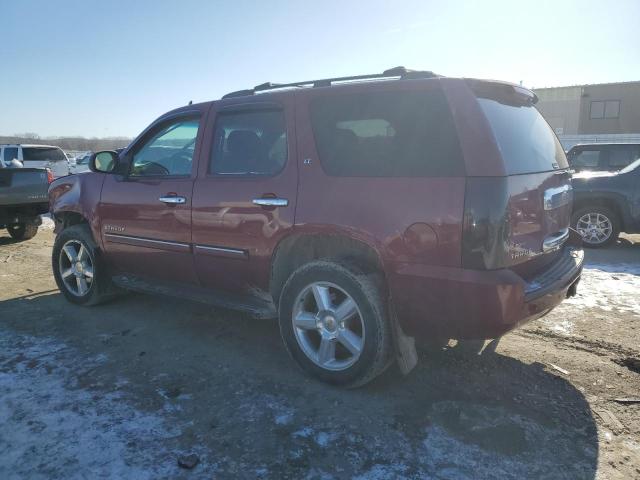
(299, 248)
(612, 203)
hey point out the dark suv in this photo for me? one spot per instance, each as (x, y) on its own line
(602, 157)
(363, 212)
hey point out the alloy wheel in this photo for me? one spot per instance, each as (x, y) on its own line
(76, 267)
(594, 227)
(328, 326)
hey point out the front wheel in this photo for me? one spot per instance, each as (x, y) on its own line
(597, 225)
(22, 231)
(334, 323)
(78, 269)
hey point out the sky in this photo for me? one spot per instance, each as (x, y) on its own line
(109, 68)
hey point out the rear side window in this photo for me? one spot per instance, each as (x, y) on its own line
(388, 134)
(249, 143)
(42, 154)
(525, 140)
(9, 154)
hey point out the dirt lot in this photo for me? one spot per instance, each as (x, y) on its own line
(122, 390)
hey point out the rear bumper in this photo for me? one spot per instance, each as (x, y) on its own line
(444, 302)
(27, 213)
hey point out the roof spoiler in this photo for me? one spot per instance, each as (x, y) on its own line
(502, 91)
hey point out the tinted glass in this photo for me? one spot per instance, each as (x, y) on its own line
(169, 151)
(249, 143)
(389, 134)
(585, 159)
(9, 154)
(620, 157)
(525, 140)
(43, 154)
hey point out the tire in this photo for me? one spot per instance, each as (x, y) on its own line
(600, 216)
(96, 290)
(22, 231)
(367, 329)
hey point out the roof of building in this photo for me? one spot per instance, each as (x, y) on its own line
(588, 85)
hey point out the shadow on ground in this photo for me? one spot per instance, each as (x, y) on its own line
(150, 378)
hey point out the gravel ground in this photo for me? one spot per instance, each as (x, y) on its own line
(123, 390)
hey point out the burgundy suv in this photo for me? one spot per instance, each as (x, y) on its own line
(364, 212)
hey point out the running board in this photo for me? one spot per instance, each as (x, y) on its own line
(256, 307)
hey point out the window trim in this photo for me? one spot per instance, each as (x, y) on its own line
(154, 128)
(240, 109)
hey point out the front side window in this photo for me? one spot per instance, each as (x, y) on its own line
(620, 158)
(585, 159)
(386, 134)
(249, 143)
(169, 151)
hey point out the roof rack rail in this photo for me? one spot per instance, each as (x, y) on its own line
(401, 72)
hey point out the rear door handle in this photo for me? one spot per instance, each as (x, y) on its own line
(271, 202)
(173, 199)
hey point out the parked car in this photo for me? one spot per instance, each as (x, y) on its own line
(602, 157)
(364, 215)
(37, 156)
(23, 198)
(606, 203)
(82, 163)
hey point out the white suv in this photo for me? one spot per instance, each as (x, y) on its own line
(36, 156)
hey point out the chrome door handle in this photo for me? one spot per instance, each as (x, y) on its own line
(271, 202)
(173, 200)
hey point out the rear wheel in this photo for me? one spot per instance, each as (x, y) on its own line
(598, 226)
(22, 231)
(78, 268)
(334, 323)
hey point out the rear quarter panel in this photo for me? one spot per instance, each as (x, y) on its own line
(377, 210)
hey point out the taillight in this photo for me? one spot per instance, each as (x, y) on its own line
(485, 230)
(49, 175)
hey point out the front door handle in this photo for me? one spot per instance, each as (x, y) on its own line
(271, 202)
(173, 199)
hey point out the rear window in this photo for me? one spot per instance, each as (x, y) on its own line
(388, 134)
(525, 140)
(42, 154)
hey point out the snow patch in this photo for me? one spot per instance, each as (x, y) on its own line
(51, 428)
(609, 287)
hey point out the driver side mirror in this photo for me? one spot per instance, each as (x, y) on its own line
(103, 162)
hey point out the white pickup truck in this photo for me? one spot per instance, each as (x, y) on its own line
(36, 156)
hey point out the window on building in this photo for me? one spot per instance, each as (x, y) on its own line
(605, 109)
(612, 109)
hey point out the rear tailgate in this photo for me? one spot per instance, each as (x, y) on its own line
(532, 202)
(20, 186)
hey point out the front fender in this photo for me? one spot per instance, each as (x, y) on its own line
(77, 194)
